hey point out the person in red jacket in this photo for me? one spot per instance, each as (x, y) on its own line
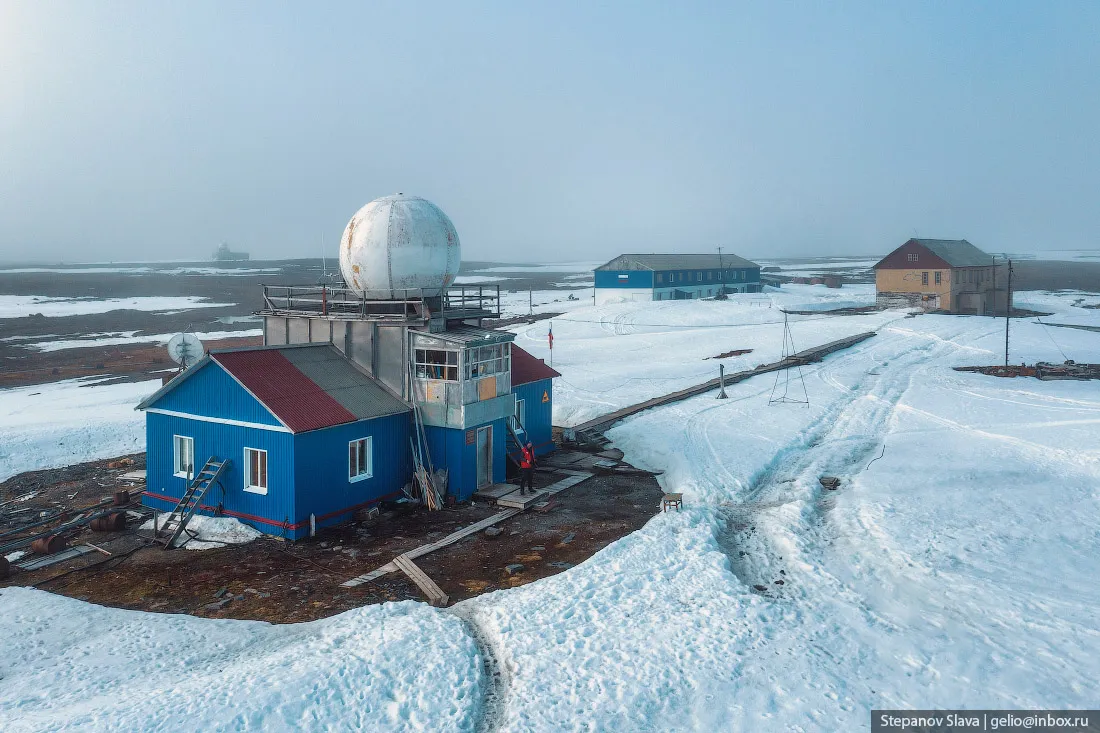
(527, 463)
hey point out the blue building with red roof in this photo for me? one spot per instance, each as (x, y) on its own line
(308, 436)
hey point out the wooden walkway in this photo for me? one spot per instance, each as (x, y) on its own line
(809, 356)
(566, 483)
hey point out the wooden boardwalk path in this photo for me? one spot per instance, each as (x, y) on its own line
(808, 356)
(575, 478)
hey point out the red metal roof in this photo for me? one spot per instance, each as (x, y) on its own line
(282, 388)
(527, 369)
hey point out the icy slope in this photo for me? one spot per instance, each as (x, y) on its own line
(74, 666)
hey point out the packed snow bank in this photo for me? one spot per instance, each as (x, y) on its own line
(67, 422)
(71, 665)
(20, 306)
(211, 532)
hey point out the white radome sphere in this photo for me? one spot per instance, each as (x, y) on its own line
(399, 243)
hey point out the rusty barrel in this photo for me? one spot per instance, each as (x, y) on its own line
(5, 567)
(48, 545)
(110, 523)
(122, 498)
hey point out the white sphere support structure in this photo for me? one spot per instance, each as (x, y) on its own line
(399, 246)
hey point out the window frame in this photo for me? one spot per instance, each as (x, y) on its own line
(939, 277)
(423, 368)
(924, 278)
(249, 486)
(521, 412)
(189, 475)
(487, 361)
(912, 257)
(361, 475)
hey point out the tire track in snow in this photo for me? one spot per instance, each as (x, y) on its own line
(496, 678)
(839, 440)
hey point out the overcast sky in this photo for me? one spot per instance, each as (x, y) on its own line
(548, 131)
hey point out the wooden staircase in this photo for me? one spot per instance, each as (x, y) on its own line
(189, 503)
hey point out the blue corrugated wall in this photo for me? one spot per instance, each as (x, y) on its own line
(321, 469)
(265, 512)
(449, 450)
(538, 415)
(633, 279)
(211, 392)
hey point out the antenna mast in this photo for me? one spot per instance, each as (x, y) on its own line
(785, 373)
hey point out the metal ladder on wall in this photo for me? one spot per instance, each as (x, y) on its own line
(517, 435)
(191, 499)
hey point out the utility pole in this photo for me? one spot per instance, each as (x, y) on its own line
(530, 302)
(1008, 309)
(993, 310)
(722, 382)
(721, 272)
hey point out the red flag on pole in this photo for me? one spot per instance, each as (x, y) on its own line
(550, 336)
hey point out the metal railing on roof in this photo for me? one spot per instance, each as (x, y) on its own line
(462, 301)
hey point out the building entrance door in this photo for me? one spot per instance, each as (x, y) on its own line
(484, 456)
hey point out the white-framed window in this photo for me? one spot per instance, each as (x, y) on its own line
(485, 360)
(255, 470)
(183, 456)
(912, 256)
(521, 412)
(437, 364)
(360, 459)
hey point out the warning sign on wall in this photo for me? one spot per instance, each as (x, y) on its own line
(545, 396)
(471, 437)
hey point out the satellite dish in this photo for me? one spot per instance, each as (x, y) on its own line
(185, 349)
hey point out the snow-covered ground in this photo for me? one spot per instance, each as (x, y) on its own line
(209, 533)
(76, 420)
(73, 666)
(953, 567)
(20, 306)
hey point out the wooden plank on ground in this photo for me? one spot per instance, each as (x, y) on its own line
(435, 594)
(390, 567)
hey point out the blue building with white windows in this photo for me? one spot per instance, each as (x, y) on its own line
(305, 435)
(355, 388)
(674, 277)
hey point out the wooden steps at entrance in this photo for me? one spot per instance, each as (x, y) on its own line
(436, 596)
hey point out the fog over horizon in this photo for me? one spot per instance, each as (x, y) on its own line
(148, 132)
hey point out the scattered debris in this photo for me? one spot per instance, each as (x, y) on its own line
(513, 568)
(568, 538)
(728, 354)
(493, 531)
(830, 482)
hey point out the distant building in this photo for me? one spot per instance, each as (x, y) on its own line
(674, 277)
(224, 254)
(942, 274)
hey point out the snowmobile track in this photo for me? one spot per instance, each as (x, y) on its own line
(496, 680)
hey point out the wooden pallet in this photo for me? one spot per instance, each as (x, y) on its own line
(516, 500)
(435, 594)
